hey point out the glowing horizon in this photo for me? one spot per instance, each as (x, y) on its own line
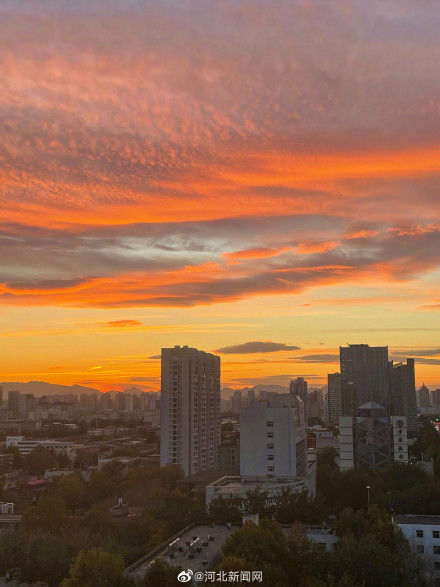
(170, 178)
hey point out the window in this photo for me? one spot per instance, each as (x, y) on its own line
(269, 424)
(437, 565)
(419, 533)
(436, 549)
(270, 435)
(420, 548)
(270, 457)
(436, 533)
(270, 468)
(270, 445)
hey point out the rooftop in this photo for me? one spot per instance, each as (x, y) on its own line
(415, 519)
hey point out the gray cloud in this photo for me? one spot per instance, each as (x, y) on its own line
(256, 347)
(323, 358)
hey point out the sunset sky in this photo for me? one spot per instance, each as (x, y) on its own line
(215, 174)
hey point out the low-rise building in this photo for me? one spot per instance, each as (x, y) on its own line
(423, 535)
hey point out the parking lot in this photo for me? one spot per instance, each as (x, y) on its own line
(196, 549)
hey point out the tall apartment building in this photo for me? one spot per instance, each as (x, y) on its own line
(435, 397)
(235, 402)
(334, 397)
(364, 376)
(298, 387)
(403, 399)
(423, 397)
(273, 439)
(190, 409)
(14, 404)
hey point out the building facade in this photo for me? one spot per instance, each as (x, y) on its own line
(190, 409)
(364, 376)
(403, 399)
(372, 439)
(334, 397)
(273, 438)
(423, 535)
(298, 387)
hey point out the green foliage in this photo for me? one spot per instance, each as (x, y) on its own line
(161, 573)
(39, 460)
(48, 514)
(226, 509)
(96, 567)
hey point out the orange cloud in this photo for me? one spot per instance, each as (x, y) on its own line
(257, 253)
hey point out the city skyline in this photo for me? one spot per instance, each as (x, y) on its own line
(268, 176)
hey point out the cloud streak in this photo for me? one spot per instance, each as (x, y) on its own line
(256, 347)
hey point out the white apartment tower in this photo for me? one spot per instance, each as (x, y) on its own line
(273, 439)
(190, 409)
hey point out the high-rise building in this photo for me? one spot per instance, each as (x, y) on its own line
(190, 409)
(334, 397)
(315, 404)
(364, 376)
(298, 387)
(236, 401)
(403, 401)
(14, 404)
(423, 397)
(435, 397)
(273, 438)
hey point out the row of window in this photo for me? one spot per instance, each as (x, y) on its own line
(421, 549)
(435, 533)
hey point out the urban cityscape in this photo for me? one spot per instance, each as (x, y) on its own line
(219, 293)
(227, 457)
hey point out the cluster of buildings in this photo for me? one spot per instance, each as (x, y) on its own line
(273, 448)
(374, 402)
(27, 411)
(372, 399)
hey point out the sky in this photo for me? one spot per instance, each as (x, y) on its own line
(258, 179)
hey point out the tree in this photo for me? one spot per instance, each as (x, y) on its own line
(48, 514)
(263, 548)
(39, 460)
(226, 509)
(72, 489)
(161, 573)
(96, 567)
(370, 563)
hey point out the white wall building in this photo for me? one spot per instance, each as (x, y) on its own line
(190, 409)
(423, 535)
(273, 439)
(273, 454)
(346, 443)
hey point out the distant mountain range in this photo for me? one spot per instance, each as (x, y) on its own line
(39, 388)
(228, 391)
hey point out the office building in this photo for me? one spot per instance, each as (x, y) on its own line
(298, 387)
(364, 376)
(190, 409)
(403, 400)
(334, 397)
